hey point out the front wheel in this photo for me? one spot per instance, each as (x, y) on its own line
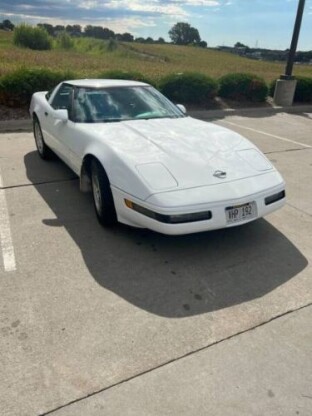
(102, 195)
(44, 151)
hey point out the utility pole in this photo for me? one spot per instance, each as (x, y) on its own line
(294, 42)
(286, 86)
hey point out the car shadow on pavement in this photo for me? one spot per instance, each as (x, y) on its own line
(169, 276)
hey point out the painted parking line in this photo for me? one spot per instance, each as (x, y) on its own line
(267, 134)
(6, 242)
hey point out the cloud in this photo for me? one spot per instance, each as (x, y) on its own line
(120, 25)
(149, 7)
(118, 15)
(204, 3)
(107, 8)
(89, 4)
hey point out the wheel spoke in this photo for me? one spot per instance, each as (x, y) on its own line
(39, 138)
(97, 192)
(102, 195)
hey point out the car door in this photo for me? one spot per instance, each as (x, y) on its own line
(68, 140)
(58, 130)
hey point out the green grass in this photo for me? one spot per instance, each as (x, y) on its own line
(88, 57)
(6, 39)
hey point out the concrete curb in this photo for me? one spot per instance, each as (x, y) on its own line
(249, 112)
(26, 124)
(15, 125)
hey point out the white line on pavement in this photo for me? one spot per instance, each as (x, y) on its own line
(5, 233)
(267, 134)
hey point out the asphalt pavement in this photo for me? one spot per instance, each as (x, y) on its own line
(130, 322)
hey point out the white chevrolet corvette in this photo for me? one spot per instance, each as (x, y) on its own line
(150, 165)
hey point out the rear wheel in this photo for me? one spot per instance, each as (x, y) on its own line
(44, 151)
(102, 195)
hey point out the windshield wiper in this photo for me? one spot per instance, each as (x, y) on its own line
(112, 120)
(155, 118)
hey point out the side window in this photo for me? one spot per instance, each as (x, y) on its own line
(92, 105)
(63, 98)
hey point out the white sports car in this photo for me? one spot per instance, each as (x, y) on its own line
(150, 165)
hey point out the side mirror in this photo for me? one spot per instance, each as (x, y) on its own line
(61, 115)
(182, 108)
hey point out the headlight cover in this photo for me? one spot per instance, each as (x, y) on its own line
(157, 176)
(255, 159)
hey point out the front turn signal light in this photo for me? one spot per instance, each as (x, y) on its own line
(128, 203)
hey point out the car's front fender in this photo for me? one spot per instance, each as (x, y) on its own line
(120, 174)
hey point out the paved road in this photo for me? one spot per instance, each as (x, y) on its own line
(85, 309)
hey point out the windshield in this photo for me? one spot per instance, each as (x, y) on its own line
(99, 105)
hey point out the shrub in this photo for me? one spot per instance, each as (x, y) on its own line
(189, 88)
(17, 87)
(32, 37)
(112, 45)
(119, 74)
(272, 87)
(303, 92)
(241, 86)
(64, 41)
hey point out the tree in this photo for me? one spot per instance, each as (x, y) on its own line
(108, 34)
(184, 34)
(73, 30)
(76, 30)
(49, 28)
(139, 40)
(203, 44)
(160, 40)
(7, 25)
(98, 32)
(239, 45)
(126, 37)
(58, 29)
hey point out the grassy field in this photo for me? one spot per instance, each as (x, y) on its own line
(90, 56)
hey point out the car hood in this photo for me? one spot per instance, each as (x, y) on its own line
(181, 153)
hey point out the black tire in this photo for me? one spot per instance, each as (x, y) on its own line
(44, 151)
(102, 195)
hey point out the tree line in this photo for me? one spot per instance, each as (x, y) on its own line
(180, 34)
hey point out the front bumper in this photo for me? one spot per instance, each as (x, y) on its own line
(218, 220)
(180, 202)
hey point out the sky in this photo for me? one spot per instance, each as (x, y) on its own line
(256, 23)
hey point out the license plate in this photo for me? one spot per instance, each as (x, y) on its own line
(241, 213)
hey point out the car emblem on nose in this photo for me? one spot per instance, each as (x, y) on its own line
(220, 174)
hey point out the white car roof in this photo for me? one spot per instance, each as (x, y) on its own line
(98, 83)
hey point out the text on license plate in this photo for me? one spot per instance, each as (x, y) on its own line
(241, 212)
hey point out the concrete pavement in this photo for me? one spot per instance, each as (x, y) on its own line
(266, 371)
